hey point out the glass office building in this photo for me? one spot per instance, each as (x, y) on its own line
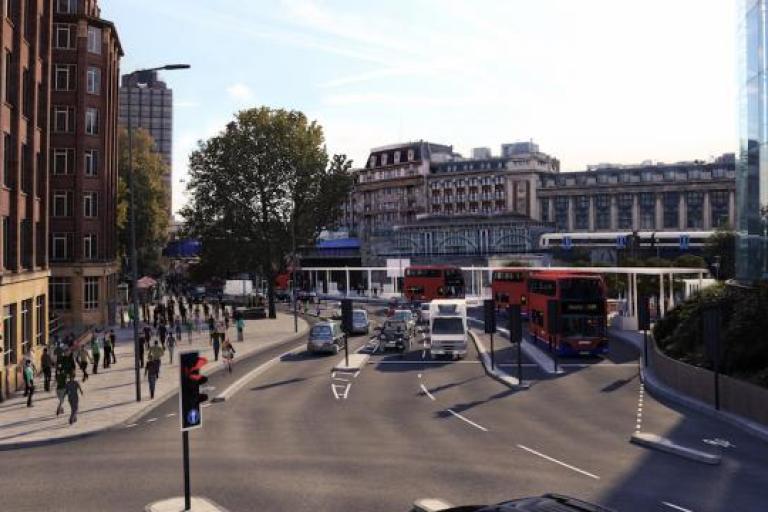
(752, 165)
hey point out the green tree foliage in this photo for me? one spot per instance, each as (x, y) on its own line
(689, 261)
(721, 249)
(744, 324)
(149, 198)
(262, 179)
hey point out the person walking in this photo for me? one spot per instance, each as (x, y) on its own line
(211, 327)
(61, 391)
(228, 353)
(96, 353)
(113, 345)
(107, 352)
(240, 324)
(216, 344)
(83, 358)
(226, 318)
(197, 317)
(46, 364)
(156, 354)
(147, 333)
(171, 344)
(152, 372)
(29, 381)
(142, 344)
(183, 312)
(177, 328)
(162, 331)
(206, 308)
(73, 388)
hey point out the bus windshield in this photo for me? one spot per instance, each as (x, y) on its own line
(448, 326)
(581, 326)
(580, 289)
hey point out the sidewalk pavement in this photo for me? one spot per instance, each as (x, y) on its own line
(109, 397)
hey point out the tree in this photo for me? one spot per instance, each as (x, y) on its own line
(149, 198)
(263, 179)
(689, 261)
(721, 251)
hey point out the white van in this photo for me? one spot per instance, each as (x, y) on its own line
(448, 333)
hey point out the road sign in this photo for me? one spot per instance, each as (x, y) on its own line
(685, 241)
(567, 243)
(190, 395)
(489, 310)
(621, 242)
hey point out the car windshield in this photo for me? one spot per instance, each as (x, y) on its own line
(359, 316)
(448, 326)
(321, 331)
(402, 315)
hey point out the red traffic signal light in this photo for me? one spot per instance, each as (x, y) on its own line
(190, 396)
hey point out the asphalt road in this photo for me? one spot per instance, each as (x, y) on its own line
(408, 428)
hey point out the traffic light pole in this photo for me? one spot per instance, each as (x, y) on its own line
(187, 493)
(493, 356)
(519, 362)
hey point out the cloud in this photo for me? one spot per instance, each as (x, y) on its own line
(240, 92)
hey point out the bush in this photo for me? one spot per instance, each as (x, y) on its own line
(744, 315)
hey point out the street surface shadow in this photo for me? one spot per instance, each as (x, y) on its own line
(279, 383)
(613, 386)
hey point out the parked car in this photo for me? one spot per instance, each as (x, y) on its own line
(326, 337)
(545, 503)
(360, 322)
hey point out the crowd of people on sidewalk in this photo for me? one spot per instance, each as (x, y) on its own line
(162, 325)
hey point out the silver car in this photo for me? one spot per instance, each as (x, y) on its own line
(326, 337)
(360, 323)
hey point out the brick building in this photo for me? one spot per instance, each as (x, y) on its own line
(25, 30)
(84, 164)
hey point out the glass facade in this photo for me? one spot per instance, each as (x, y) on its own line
(752, 164)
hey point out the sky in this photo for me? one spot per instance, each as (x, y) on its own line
(590, 81)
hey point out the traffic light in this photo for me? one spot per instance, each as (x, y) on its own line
(643, 313)
(190, 396)
(515, 323)
(489, 310)
(346, 315)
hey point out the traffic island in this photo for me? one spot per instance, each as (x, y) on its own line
(665, 445)
(495, 373)
(356, 363)
(198, 504)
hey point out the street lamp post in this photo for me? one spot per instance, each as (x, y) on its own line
(134, 258)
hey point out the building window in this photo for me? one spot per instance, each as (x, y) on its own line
(89, 247)
(40, 316)
(91, 162)
(561, 212)
(718, 204)
(545, 210)
(7, 152)
(397, 157)
(94, 40)
(90, 204)
(92, 121)
(6, 242)
(93, 80)
(66, 6)
(60, 291)
(647, 210)
(63, 39)
(695, 209)
(91, 293)
(625, 202)
(8, 82)
(63, 119)
(26, 325)
(671, 210)
(411, 155)
(384, 159)
(9, 335)
(62, 203)
(581, 212)
(60, 246)
(64, 77)
(63, 161)
(603, 211)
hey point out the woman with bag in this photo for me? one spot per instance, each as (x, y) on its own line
(228, 353)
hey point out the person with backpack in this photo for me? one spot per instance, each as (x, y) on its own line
(29, 381)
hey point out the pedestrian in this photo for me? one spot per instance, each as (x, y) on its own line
(29, 381)
(197, 318)
(107, 352)
(189, 332)
(83, 358)
(142, 343)
(228, 353)
(46, 364)
(216, 345)
(156, 354)
(162, 331)
(61, 391)
(73, 388)
(183, 312)
(147, 333)
(68, 365)
(226, 318)
(240, 324)
(171, 343)
(152, 372)
(211, 327)
(178, 330)
(113, 345)
(96, 353)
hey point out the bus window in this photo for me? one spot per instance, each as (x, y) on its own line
(581, 326)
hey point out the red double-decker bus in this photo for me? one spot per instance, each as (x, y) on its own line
(579, 302)
(510, 286)
(429, 282)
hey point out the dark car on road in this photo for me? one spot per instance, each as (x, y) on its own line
(326, 337)
(545, 503)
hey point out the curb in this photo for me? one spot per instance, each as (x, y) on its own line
(177, 505)
(499, 375)
(356, 365)
(665, 445)
(158, 401)
(544, 362)
(655, 386)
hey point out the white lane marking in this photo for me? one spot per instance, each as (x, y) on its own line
(342, 380)
(333, 375)
(130, 425)
(150, 420)
(205, 405)
(676, 507)
(356, 374)
(467, 420)
(426, 391)
(419, 375)
(547, 457)
(170, 415)
(346, 391)
(333, 388)
(723, 443)
(639, 419)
